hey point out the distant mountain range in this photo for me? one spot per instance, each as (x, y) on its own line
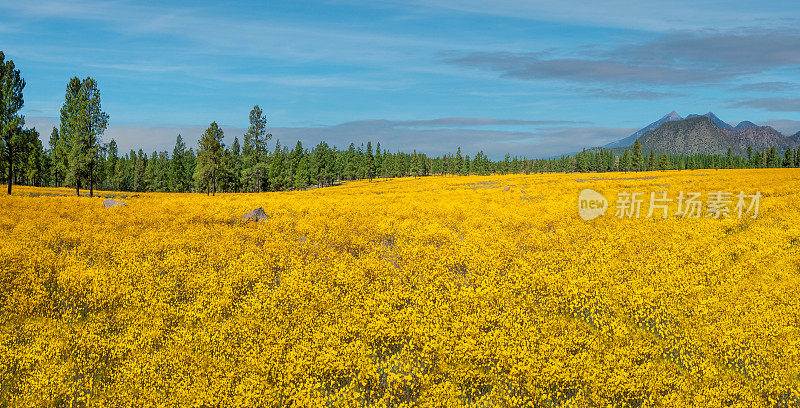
(707, 133)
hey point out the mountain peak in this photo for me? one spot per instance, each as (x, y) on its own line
(717, 121)
(670, 117)
(745, 124)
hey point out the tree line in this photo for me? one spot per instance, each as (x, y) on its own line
(634, 159)
(77, 157)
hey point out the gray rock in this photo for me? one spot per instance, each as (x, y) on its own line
(507, 188)
(256, 215)
(110, 202)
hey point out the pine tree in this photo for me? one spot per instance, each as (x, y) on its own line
(370, 162)
(254, 150)
(626, 161)
(69, 128)
(210, 159)
(293, 160)
(56, 167)
(35, 159)
(190, 163)
(150, 173)
(277, 168)
(234, 167)
(729, 159)
(27, 158)
(378, 160)
(361, 163)
(350, 163)
(663, 162)
(302, 175)
(118, 178)
(11, 121)
(178, 177)
(583, 165)
(415, 165)
(637, 156)
(112, 157)
(82, 123)
(750, 156)
(772, 157)
(138, 171)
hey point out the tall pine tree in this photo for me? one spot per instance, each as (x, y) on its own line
(11, 121)
(82, 123)
(210, 158)
(254, 150)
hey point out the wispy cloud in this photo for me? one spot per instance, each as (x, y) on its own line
(770, 104)
(210, 33)
(766, 87)
(623, 94)
(629, 14)
(141, 67)
(678, 58)
(748, 49)
(530, 66)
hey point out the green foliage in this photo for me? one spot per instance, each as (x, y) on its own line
(663, 162)
(12, 141)
(82, 124)
(210, 159)
(370, 162)
(179, 172)
(637, 156)
(254, 151)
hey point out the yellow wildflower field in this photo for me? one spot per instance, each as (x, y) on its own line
(436, 291)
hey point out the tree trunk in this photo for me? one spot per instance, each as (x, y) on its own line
(78, 188)
(10, 170)
(91, 181)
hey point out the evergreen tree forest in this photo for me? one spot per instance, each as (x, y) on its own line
(76, 156)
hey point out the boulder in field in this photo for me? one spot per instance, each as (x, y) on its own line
(507, 188)
(256, 215)
(110, 202)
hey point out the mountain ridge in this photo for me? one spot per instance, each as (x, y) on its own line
(673, 134)
(717, 121)
(701, 135)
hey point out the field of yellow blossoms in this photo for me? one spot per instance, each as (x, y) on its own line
(470, 291)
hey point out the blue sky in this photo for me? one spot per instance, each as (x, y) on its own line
(526, 77)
